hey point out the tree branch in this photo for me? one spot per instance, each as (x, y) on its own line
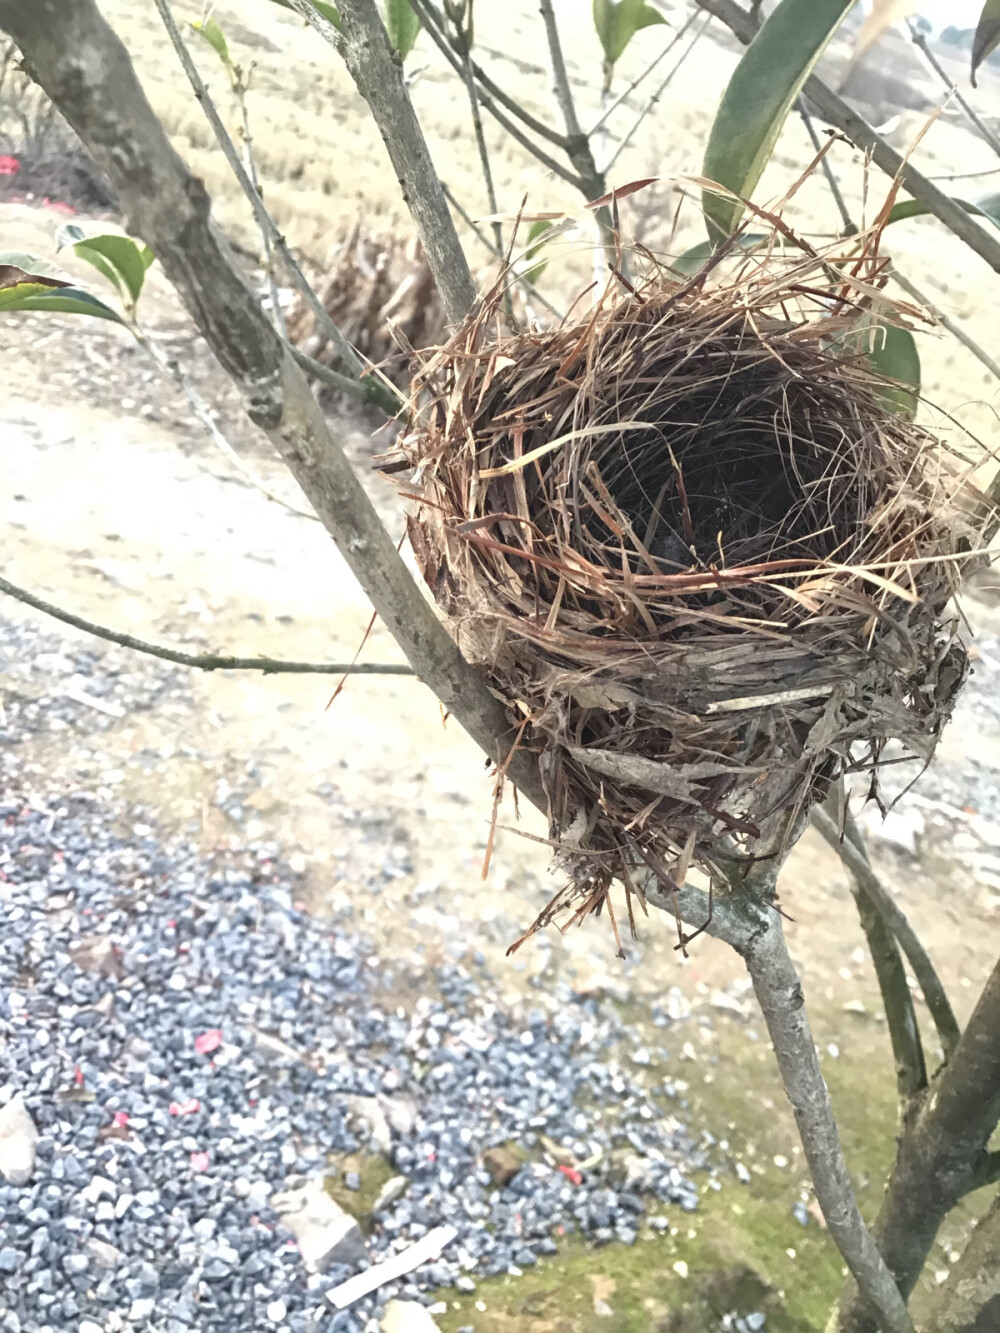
(271, 666)
(378, 73)
(901, 1018)
(940, 1154)
(440, 39)
(837, 112)
(969, 1300)
(779, 993)
(919, 40)
(592, 181)
(369, 388)
(86, 71)
(923, 969)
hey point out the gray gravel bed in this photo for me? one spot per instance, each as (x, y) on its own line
(189, 1041)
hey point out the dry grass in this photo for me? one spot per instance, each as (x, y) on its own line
(702, 560)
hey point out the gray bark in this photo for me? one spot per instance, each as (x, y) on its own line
(378, 73)
(969, 1301)
(85, 69)
(941, 1157)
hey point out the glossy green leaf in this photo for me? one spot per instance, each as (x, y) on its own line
(118, 258)
(216, 39)
(328, 12)
(758, 98)
(987, 37)
(989, 207)
(402, 25)
(617, 22)
(55, 300)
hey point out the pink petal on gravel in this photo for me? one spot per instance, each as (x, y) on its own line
(208, 1041)
(185, 1108)
(200, 1160)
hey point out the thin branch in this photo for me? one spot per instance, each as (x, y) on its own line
(837, 112)
(378, 75)
(850, 229)
(654, 100)
(435, 24)
(270, 666)
(939, 1155)
(86, 71)
(938, 1003)
(779, 993)
(897, 999)
(170, 366)
(240, 89)
(560, 78)
(438, 37)
(919, 40)
(641, 78)
(333, 379)
(946, 321)
(369, 389)
(487, 244)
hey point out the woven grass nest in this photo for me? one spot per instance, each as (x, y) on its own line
(699, 558)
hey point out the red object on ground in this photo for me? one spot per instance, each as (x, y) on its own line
(185, 1108)
(208, 1041)
(9, 166)
(200, 1161)
(121, 1118)
(571, 1173)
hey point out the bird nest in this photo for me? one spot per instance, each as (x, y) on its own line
(700, 555)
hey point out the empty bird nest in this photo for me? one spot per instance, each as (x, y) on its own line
(699, 554)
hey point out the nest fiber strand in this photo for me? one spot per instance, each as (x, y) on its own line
(701, 560)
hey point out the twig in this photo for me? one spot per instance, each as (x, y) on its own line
(369, 389)
(378, 76)
(641, 78)
(837, 112)
(270, 666)
(485, 241)
(332, 378)
(469, 79)
(435, 24)
(946, 321)
(779, 994)
(938, 1003)
(540, 155)
(653, 101)
(850, 229)
(919, 40)
(901, 1018)
(170, 366)
(240, 88)
(560, 78)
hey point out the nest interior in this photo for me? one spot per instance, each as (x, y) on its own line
(700, 557)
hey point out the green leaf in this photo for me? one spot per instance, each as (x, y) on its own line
(617, 22)
(216, 39)
(328, 12)
(17, 266)
(987, 36)
(894, 355)
(402, 26)
(539, 233)
(989, 208)
(56, 300)
(757, 100)
(118, 258)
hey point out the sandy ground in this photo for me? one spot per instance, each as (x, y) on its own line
(113, 503)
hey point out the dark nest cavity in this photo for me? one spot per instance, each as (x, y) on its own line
(702, 560)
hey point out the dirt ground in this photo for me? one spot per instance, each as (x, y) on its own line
(114, 503)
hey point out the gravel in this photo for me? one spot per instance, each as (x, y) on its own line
(189, 1042)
